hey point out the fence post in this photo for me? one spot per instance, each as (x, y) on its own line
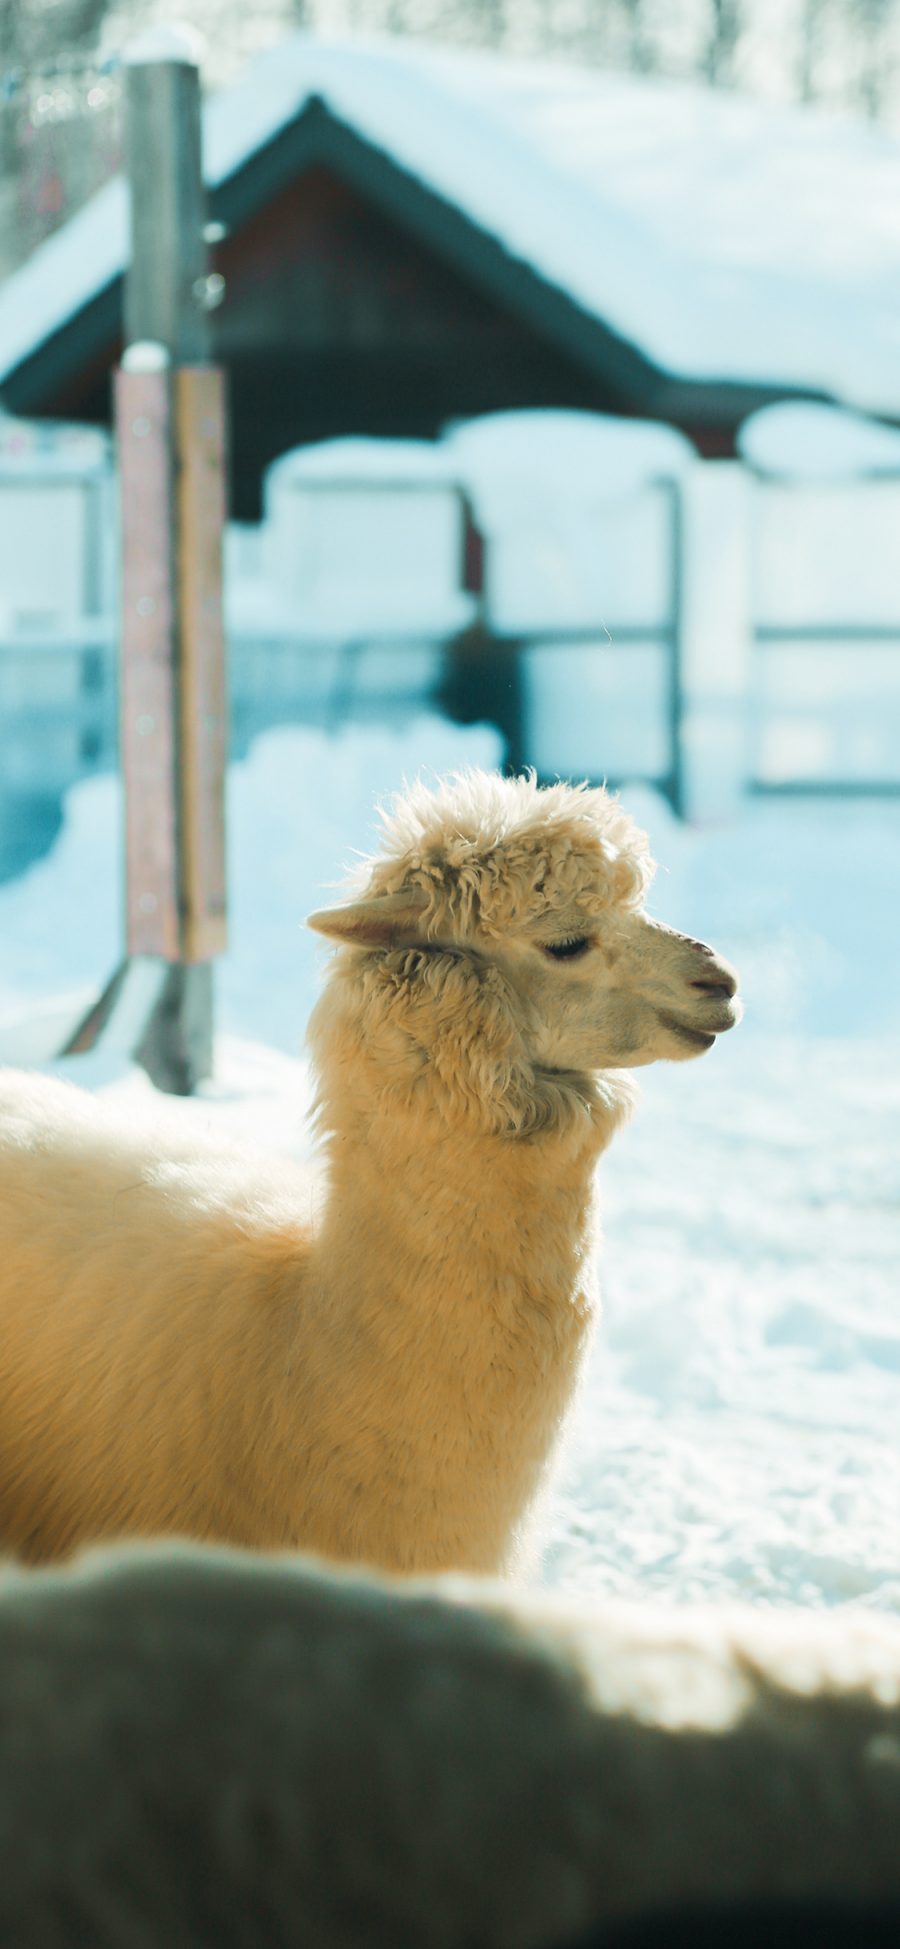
(715, 639)
(170, 421)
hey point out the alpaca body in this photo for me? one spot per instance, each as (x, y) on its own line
(219, 1369)
(150, 1285)
(191, 1343)
(209, 1748)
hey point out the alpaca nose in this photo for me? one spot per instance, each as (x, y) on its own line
(714, 976)
(717, 979)
(724, 987)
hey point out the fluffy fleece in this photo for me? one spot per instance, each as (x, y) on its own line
(212, 1752)
(187, 1348)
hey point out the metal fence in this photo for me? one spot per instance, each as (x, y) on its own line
(653, 657)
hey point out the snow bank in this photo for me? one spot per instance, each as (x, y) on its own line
(738, 1436)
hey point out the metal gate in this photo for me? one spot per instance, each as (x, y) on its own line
(578, 655)
(824, 702)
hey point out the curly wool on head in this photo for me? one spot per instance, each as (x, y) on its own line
(494, 853)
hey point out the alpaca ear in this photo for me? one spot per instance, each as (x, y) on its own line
(380, 921)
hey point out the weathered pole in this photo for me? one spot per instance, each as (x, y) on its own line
(170, 422)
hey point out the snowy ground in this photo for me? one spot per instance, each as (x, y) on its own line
(739, 1431)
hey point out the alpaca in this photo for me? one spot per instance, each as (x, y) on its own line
(784, 1924)
(189, 1346)
(213, 1751)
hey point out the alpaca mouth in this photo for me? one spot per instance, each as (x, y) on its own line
(695, 1038)
(728, 1008)
(698, 1038)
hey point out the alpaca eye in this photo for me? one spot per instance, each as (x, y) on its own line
(568, 950)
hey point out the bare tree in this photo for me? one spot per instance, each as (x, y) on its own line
(726, 26)
(637, 40)
(57, 117)
(873, 22)
(813, 26)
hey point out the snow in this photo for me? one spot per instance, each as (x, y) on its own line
(741, 1439)
(145, 355)
(167, 41)
(805, 441)
(527, 466)
(737, 1433)
(63, 274)
(726, 238)
(334, 462)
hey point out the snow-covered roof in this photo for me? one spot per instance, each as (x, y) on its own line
(725, 239)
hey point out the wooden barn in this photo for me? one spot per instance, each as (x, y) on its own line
(411, 237)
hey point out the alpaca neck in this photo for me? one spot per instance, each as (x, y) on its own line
(461, 1271)
(458, 1262)
(439, 1195)
(449, 1176)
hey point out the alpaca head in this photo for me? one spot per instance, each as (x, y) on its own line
(526, 904)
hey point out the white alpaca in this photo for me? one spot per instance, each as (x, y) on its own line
(185, 1349)
(204, 1749)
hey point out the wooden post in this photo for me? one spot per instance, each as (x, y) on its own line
(170, 419)
(168, 207)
